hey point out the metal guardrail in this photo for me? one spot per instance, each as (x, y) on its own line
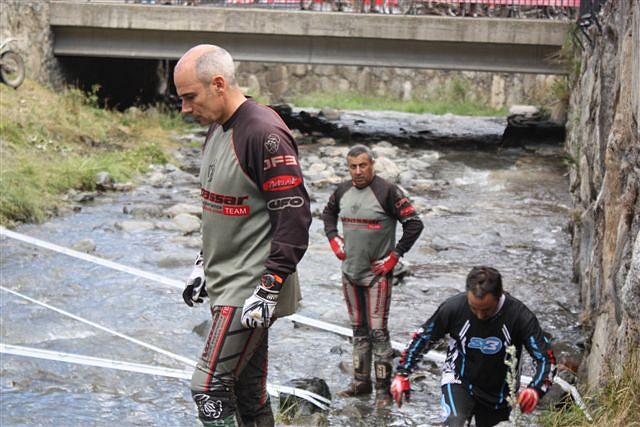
(537, 9)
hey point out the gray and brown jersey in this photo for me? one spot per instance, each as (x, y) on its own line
(256, 212)
(369, 216)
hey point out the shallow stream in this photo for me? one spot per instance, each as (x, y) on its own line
(507, 209)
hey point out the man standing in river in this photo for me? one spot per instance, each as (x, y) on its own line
(482, 323)
(255, 222)
(369, 208)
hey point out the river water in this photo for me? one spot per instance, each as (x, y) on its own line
(504, 208)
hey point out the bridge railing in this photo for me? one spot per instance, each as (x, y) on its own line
(537, 9)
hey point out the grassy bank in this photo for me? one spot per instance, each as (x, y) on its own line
(51, 142)
(356, 101)
(454, 98)
(616, 404)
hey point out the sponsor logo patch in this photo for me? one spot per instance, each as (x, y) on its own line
(272, 143)
(281, 182)
(221, 198)
(275, 161)
(490, 345)
(223, 204)
(285, 202)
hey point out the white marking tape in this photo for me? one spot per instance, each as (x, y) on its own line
(184, 374)
(432, 355)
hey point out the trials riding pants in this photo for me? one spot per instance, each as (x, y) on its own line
(231, 375)
(368, 302)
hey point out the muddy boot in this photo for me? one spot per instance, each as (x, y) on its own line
(361, 383)
(383, 384)
(356, 388)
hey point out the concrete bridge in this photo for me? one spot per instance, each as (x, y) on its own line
(122, 30)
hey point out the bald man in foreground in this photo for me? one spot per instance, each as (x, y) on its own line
(255, 230)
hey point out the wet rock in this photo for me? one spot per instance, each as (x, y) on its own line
(353, 414)
(310, 122)
(104, 181)
(294, 406)
(531, 126)
(336, 350)
(143, 210)
(175, 261)
(326, 141)
(87, 246)
(123, 186)
(330, 113)
(134, 226)
(387, 169)
(83, 197)
(187, 223)
(181, 208)
(338, 151)
(158, 180)
(384, 149)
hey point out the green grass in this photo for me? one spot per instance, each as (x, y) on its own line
(52, 142)
(616, 404)
(456, 104)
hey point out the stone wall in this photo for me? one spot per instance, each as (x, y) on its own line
(603, 129)
(282, 83)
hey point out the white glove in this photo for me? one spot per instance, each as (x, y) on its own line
(196, 287)
(259, 307)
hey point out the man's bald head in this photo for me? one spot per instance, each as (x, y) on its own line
(208, 60)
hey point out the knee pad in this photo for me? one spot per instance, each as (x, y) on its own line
(381, 345)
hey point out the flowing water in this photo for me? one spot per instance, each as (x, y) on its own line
(507, 209)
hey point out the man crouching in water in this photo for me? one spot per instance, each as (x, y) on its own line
(481, 323)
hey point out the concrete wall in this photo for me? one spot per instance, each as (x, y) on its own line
(28, 23)
(603, 140)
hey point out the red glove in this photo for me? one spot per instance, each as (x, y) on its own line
(384, 266)
(400, 387)
(337, 245)
(528, 399)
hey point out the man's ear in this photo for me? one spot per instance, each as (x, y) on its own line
(218, 83)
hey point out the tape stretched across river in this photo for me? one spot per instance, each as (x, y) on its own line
(432, 355)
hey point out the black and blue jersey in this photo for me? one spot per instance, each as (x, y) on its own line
(477, 348)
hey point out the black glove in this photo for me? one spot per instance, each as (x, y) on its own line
(259, 307)
(196, 288)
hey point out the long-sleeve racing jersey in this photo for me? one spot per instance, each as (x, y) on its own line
(256, 213)
(477, 348)
(369, 216)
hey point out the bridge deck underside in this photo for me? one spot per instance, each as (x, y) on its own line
(156, 44)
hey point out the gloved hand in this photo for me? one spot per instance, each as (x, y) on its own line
(196, 288)
(337, 245)
(528, 399)
(259, 307)
(400, 387)
(385, 265)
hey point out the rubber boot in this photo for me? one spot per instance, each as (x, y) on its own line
(356, 388)
(361, 383)
(383, 384)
